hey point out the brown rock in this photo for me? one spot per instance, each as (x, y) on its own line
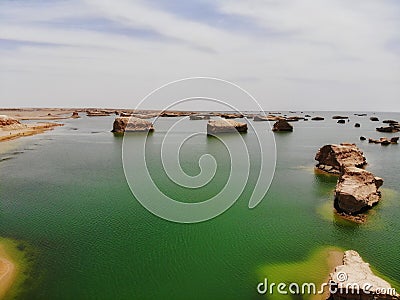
(259, 118)
(354, 279)
(384, 141)
(75, 115)
(331, 158)
(131, 124)
(282, 125)
(231, 116)
(9, 123)
(97, 113)
(225, 126)
(142, 116)
(294, 118)
(356, 191)
(172, 114)
(388, 129)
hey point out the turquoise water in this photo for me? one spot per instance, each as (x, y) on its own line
(64, 193)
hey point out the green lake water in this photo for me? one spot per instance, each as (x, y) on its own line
(64, 195)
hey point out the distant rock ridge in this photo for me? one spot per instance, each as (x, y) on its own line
(355, 280)
(259, 118)
(199, 117)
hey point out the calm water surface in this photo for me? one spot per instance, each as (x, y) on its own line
(64, 193)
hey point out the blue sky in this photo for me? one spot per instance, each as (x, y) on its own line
(289, 54)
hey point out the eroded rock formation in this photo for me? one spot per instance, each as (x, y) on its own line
(282, 125)
(97, 113)
(356, 191)
(225, 126)
(131, 124)
(331, 158)
(8, 123)
(266, 118)
(384, 141)
(355, 280)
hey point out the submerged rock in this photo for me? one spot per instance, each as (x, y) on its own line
(318, 119)
(282, 125)
(341, 121)
(339, 117)
(225, 126)
(131, 124)
(357, 125)
(331, 158)
(362, 138)
(356, 191)
(355, 280)
(374, 119)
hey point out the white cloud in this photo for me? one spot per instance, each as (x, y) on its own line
(330, 54)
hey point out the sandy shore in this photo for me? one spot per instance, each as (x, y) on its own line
(38, 113)
(20, 130)
(8, 271)
(30, 129)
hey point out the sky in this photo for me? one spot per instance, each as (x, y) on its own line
(288, 54)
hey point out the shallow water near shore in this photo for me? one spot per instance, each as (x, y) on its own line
(64, 192)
